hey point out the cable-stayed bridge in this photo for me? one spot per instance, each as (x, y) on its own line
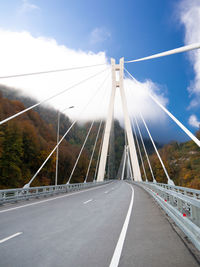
(125, 220)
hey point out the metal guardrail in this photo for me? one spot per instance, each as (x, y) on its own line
(181, 204)
(16, 194)
(183, 190)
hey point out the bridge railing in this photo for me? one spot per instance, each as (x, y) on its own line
(16, 194)
(181, 204)
(183, 190)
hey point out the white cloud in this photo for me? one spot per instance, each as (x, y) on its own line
(193, 121)
(20, 52)
(27, 6)
(99, 35)
(139, 101)
(190, 18)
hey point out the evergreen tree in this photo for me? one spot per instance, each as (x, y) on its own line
(11, 158)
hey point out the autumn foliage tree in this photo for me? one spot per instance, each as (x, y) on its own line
(25, 142)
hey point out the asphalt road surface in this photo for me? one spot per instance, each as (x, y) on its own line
(112, 225)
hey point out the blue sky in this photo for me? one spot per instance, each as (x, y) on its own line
(129, 28)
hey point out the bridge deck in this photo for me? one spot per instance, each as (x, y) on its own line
(82, 229)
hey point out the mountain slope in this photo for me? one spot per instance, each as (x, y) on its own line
(182, 161)
(25, 142)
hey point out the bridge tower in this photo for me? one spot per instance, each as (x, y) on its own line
(118, 84)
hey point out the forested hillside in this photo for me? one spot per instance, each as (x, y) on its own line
(26, 141)
(182, 161)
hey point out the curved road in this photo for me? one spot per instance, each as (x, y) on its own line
(91, 228)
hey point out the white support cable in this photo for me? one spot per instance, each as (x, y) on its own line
(129, 164)
(82, 111)
(125, 137)
(124, 163)
(49, 71)
(170, 182)
(145, 151)
(134, 130)
(120, 166)
(140, 154)
(98, 158)
(93, 151)
(77, 160)
(83, 143)
(99, 153)
(51, 97)
(58, 136)
(191, 135)
(169, 52)
(29, 183)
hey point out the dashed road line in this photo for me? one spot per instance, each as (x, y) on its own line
(9, 237)
(87, 201)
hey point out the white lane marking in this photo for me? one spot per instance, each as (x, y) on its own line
(46, 200)
(108, 191)
(9, 237)
(120, 243)
(87, 201)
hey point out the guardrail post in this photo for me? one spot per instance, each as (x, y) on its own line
(195, 215)
(171, 200)
(179, 204)
(27, 194)
(37, 193)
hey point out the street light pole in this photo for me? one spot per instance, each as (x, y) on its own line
(58, 134)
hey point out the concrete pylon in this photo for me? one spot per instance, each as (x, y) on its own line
(131, 144)
(104, 150)
(128, 128)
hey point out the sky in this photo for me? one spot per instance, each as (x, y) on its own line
(38, 35)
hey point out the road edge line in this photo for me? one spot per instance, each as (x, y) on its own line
(118, 249)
